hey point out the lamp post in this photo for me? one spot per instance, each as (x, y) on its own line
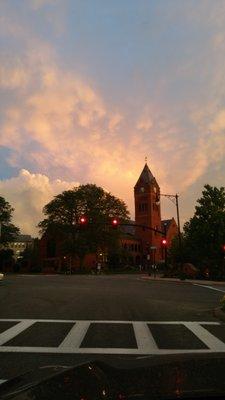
(174, 198)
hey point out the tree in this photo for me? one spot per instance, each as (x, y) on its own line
(63, 215)
(8, 231)
(6, 258)
(30, 257)
(204, 233)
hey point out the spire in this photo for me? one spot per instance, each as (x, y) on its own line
(146, 176)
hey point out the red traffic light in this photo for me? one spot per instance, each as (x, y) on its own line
(115, 222)
(83, 220)
(223, 247)
(164, 242)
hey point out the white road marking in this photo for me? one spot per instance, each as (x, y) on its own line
(109, 321)
(209, 287)
(98, 350)
(15, 330)
(144, 338)
(206, 337)
(2, 381)
(75, 336)
(146, 344)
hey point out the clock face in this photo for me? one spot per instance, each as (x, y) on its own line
(142, 189)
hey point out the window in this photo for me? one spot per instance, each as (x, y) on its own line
(143, 207)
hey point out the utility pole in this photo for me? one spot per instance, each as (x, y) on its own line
(178, 221)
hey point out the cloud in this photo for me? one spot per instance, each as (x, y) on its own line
(13, 78)
(28, 193)
(145, 121)
(36, 4)
(57, 121)
(218, 124)
(63, 127)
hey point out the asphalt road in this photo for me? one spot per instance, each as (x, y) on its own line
(67, 319)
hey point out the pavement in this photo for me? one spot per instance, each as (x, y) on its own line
(68, 319)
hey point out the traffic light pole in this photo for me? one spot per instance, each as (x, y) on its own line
(144, 227)
(174, 198)
(165, 248)
(178, 222)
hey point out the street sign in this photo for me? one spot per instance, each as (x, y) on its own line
(153, 247)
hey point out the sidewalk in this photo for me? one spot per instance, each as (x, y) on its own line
(177, 280)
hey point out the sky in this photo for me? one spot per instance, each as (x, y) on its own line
(89, 88)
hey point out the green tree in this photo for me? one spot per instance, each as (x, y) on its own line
(6, 258)
(30, 257)
(63, 214)
(204, 233)
(8, 231)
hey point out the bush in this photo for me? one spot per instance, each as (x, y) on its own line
(223, 303)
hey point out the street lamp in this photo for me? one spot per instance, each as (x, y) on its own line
(174, 199)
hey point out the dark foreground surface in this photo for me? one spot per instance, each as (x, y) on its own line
(152, 379)
(68, 319)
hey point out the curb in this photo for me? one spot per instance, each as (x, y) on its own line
(177, 280)
(218, 313)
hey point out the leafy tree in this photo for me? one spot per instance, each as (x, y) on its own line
(30, 256)
(204, 234)
(63, 214)
(8, 231)
(6, 258)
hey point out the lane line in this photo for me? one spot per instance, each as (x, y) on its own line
(90, 321)
(144, 338)
(2, 381)
(15, 330)
(209, 287)
(76, 335)
(212, 342)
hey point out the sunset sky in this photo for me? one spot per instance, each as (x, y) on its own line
(91, 87)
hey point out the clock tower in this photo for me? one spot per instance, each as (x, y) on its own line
(147, 212)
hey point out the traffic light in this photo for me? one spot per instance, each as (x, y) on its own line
(223, 248)
(83, 220)
(164, 242)
(115, 222)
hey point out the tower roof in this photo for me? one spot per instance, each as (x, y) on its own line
(146, 176)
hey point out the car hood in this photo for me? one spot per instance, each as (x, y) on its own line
(168, 377)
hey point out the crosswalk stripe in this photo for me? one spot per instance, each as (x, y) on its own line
(15, 330)
(146, 343)
(144, 337)
(205, 336)
(76, 335)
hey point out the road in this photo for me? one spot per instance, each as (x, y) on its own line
(64, 319)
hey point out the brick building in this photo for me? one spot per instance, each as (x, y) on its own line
(142, 245)
(148, 213)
